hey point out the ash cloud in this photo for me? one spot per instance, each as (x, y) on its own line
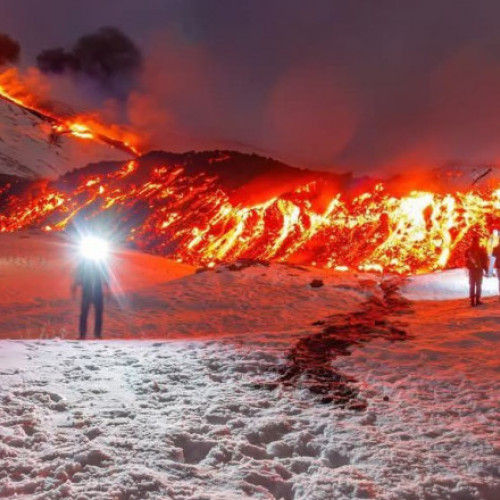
(108, 57)
(344, 85)
(375, 87)
(10, 50)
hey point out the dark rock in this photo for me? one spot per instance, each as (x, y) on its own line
(241, 264)
(316, 283)
(357, 405)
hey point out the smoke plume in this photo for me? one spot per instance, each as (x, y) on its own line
(9, 50)
(108, 57)
(349, 85)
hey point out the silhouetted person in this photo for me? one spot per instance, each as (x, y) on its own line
(476, 259)
(496, 254)
(492, 244)
(92, 276)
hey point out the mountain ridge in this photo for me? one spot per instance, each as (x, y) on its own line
(29, 147)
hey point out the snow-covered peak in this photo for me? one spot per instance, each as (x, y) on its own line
(28, 150)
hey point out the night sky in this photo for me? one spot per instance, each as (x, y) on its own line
(358, 85)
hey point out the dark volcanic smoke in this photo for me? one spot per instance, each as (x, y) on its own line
(9, 49)
(108, 57)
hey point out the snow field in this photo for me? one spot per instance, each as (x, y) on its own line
(152, 420)
(192, 418)
(157, 298)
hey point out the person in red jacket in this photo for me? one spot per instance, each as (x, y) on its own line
(476, 260)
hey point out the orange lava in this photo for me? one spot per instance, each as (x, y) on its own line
(86, 126)
(192, 219)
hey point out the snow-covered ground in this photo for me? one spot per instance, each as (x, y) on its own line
(187, 400)
(446, 285)
(25, 149)
(157, 298)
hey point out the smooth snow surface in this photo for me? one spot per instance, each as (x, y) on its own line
(25, 149)
(193, 419)
(446, 285)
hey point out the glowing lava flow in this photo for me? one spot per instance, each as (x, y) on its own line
(87, 126)
(191, 218)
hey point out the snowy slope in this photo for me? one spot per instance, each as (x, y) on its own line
(25, 149)
(155, 297)
(445, 285)
(205, 416)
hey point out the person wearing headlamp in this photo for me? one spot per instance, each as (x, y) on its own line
(92, 275)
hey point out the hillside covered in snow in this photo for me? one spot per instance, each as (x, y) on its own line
(27, 149)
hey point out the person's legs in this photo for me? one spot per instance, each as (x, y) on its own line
(99, 307)
(84, 312)
(472, 288)
(479, 284)
(491, 267)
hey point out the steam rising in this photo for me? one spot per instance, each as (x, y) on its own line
(370, 87)
(108, 57)
(9, 50)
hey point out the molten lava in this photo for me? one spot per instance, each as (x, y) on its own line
(196, 218)
(86, 126)
(190, 217)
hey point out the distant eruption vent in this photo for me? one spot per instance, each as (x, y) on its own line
(25, 91)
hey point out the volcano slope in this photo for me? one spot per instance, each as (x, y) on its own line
(176, 402)
(28, 148)
(216, 207)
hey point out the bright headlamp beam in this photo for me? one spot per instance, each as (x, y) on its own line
(94, 248)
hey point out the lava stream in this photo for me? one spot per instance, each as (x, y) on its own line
(191, 218)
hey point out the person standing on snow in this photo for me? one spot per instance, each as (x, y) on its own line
(476, 259)
(92, 275)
